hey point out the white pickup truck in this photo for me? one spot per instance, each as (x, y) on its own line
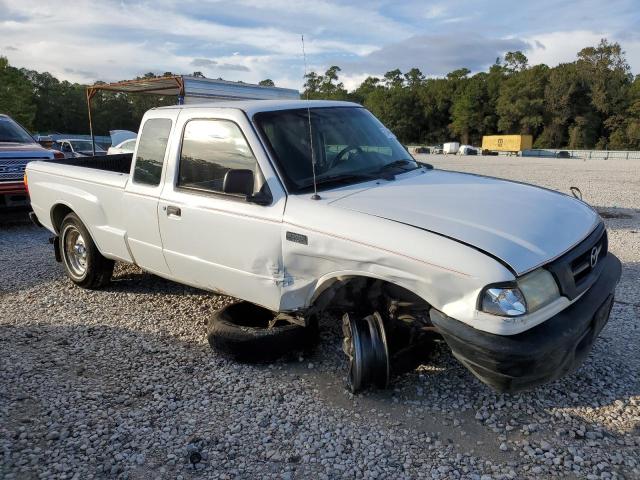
(516, 279)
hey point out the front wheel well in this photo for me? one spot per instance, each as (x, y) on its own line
(365, 294)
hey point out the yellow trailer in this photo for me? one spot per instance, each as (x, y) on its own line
(507, 143)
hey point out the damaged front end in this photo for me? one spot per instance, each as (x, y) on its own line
(387, 329)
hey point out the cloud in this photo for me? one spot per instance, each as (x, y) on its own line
(250, 40)
(233, 67)
(202, 62)
(436, 54)
(82, 73)
(563, 47)
(206, 62)
(434, 11)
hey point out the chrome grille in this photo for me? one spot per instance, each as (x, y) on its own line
(574, 271)
(12, 169)
(585, 263)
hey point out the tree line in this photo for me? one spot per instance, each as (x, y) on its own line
(593, 102)
(44, 104)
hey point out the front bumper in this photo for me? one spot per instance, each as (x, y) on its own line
(542, 354)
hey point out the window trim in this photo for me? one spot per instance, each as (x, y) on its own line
(213, 193)
(164, 158)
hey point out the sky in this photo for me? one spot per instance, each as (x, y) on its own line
(250, 40)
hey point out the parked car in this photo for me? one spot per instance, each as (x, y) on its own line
(437, 149)
(128, 146)
(302, 208)
(467, 150)
(73, 148)
(119, 136)
(17, 148)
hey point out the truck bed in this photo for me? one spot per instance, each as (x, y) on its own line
(120, 163)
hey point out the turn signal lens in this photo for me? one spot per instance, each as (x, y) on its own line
(539, 288)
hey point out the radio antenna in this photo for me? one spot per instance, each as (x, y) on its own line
(315, 195)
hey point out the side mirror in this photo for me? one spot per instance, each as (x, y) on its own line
(238, 181)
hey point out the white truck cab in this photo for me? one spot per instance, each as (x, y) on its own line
(301, 205)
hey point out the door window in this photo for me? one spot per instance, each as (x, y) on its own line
(210, 148)
(151, 151)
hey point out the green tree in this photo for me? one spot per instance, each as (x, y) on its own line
(394, 79)
(366, 88)
(267, 82)
(325, 86)
(414, 78)
(521, 105)
(467, 110)
(16, 94)
(515, 62)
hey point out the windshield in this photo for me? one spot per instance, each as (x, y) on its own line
(349, 145)
(10, 131)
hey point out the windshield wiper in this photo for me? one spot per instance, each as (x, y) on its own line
(380, 174)
(396, 164)
(344, 178)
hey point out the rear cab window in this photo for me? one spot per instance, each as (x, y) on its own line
(151, 152)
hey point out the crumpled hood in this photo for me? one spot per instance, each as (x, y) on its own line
(522, 225)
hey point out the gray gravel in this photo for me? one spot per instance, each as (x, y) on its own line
(120, 383)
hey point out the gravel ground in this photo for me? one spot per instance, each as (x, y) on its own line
(121, 382)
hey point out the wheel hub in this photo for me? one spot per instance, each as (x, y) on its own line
(75, 251)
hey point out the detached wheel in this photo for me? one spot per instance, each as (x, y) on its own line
(84, 264)
(247, 332)
(365, 345)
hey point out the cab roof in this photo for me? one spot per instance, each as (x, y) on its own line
(251, 107)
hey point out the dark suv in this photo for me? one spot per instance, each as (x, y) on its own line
(17, 148)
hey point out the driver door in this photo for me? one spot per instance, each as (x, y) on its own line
(216, 240)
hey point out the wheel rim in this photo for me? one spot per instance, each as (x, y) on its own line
(365, 346)
(75, 251)
(352, 348)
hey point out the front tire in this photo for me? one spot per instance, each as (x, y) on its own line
(250, 333)
(84, 264)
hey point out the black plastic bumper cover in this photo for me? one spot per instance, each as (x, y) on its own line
(541, 354)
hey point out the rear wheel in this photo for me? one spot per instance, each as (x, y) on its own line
(84, 264)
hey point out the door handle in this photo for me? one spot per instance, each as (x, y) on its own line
(175, 211)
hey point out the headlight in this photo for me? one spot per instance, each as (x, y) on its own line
(531, 292)
(504, 301)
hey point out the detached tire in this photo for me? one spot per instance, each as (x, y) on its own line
(247, 332)
(84, 264)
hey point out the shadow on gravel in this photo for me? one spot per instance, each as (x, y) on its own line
(620, 218)
(12, 217)
(131, 279)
